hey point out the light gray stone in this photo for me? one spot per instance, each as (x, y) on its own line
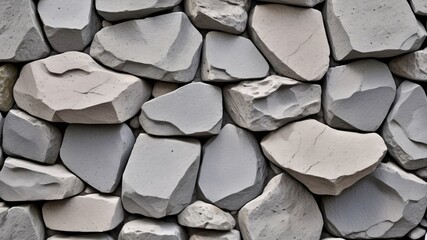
(411, 66)
(152, 229)
(161, 88)
(21, 222)
(301, 3)
(93, 236)
(8, 75)
(207, 216)
(166, 47)
(216, 235)
(419, 7)
(417, 233)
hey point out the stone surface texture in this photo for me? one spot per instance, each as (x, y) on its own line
(301, 3)
(8, 75)
(411, 66)
(207, 216)
(146, 228)
(216, 235)
(21, 222)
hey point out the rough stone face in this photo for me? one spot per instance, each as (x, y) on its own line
(146, 228)
(216, 235)
(207, 216)
(8, 76)
(227, 57)
(88, 213)
(324, 159)
(151, 160)
(21, 222)
(370, 28)
(270, 103)
(233, 150)
(419, 7)
(223, 15)
(276, 30)
(113, 10)
(285, 210)
(194, 109)
(411, 66)
(161, 88)
(388, 203)
(165, 47)
(71, 87)
(301, 3)
(97, 154)
(404, 129)
(21, 35)
(357, 96)
(93, 236)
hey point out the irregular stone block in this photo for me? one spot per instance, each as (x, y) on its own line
(8, 76)
(207, 216)
(411, 66)
(419, 7)
(21, 222)
(216, 235)
(301, 3)
(152, 229)
(93, 236)
(417, 233)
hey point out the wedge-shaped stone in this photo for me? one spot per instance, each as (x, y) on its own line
(21, 222)
(276, 31)
(411, 66)
(388, 203)
(194, 109)
(71, 87)
(324, 159)
(301, 3)
(93, 236)
(146, 228)
(165, 47)
(357, 96)
(370, 28)
(8, 75)
(207, 216)
(419, 7)
(285, 210)
(270, 103)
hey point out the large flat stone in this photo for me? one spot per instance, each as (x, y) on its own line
(8, 75)
(411, 65)
(152, 229)
(21, 222)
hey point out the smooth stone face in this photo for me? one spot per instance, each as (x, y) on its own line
(146, 228)
(268, 104)
(285, 210)
(404, 129)
(419, 7)
(93, 236)
(301, 3)
(207, 216)
(276, 31)
(233, 169)
(21, 222)
(324, 159)
(8, 76)
(357, 96)
(161, 88)
(411, 66)
(194, 109)
(388, 203)
(370, 28)
(21, 36)
(88, 213)
(165, 47)
(97, 154)
(216, 235)
(71, 87)
(31, 138)
(227, 57)
(417, 233)
(151, 160)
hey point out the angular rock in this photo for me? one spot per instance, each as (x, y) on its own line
(165, 47)
(276, 31)
(207, 216)
(194, 109)
(324, 159)
(31, 138)
(161, 88)
(8, 76)
(268, 104)
(285, 210)
(411, 66)
(97, 154)
(301, 3)
(21, 35)
(146, 228)
(88, 213)
(362, 29)
(388, 203)
(151, 160)
(357, 96)
(419, 7)
(233, 150)
(21, 222)
(404, 129)
(227, 57)
(417, 233)
(73, 88)
(93, 236)
(216, 235)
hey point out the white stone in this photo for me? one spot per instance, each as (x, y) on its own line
(97, 154)
(31, 138)
(292, 39)
(93, 236)
(160, 176)
(419, 7)
(417, 233)
(8, 76)
(73, 88)
(301, 3)
(233, 170)
(21, 222)
(207, 216)
(411, 66)
(88, 213)
(161, 88)
(227, 57)
(386, 204)
(268, 104)
(216, 235)
(285, 210)
(152, 229)
(357, 96)
(166, 47)
(194, 109)
(371, 28)
(324, 159)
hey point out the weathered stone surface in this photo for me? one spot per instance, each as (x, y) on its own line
(71, 87)
(227, 57)
(165, 47)
(151, 160)
(270, 103)
(21, 35)
(301, 3)
(93, 236)
(324, 159)
(357, 96)
(88, 213)
(31, 138)
(233, 151)
(161, 88)
(411, 66)
(21, 222)
(8, 76)
(216, 235)
(276, 30)
(194, 109)
(417, 233)
(404, 129)
(97, 154)
(370, 28)
(419, 7)
(207, 216)
(388, 203)
(146, 228)
(285, 210)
